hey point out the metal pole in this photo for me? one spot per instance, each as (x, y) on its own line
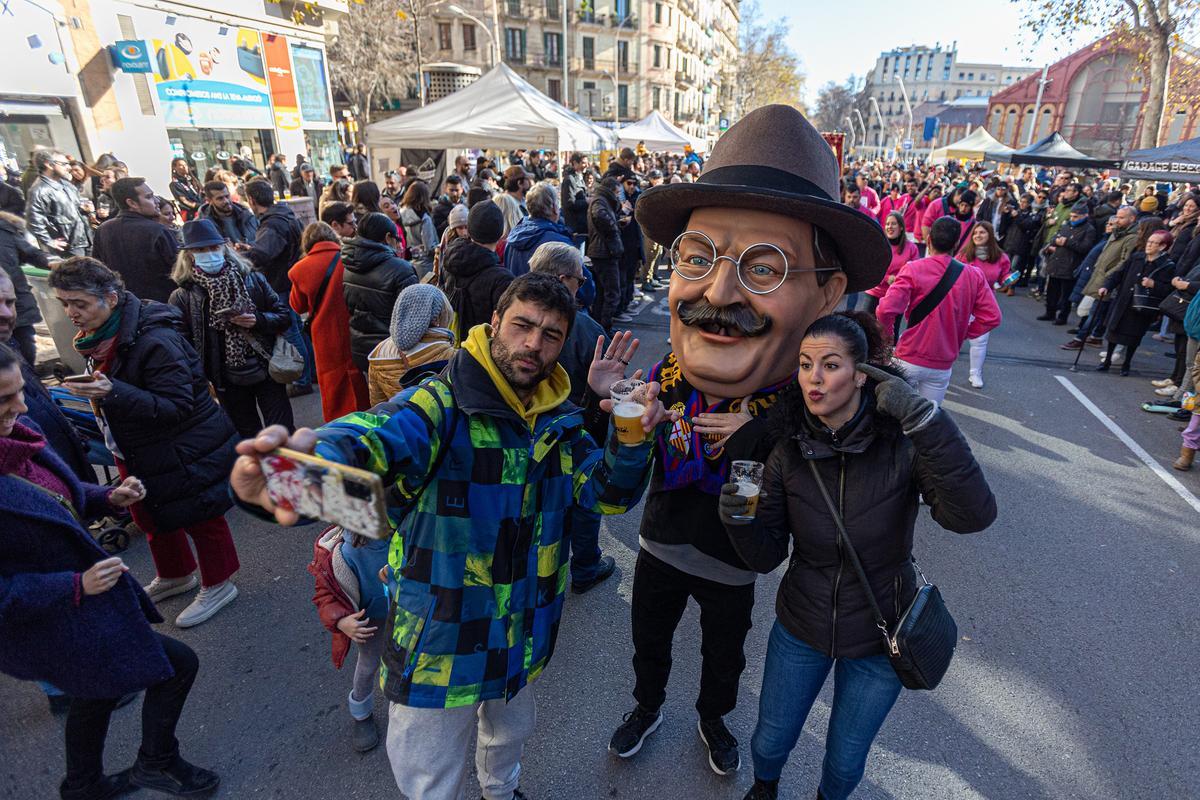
(907, 107)
(566, 95)
(879, 119)
(496, 28)
(417, 45)
(862, 125)
(851, 131)
(1037, 106)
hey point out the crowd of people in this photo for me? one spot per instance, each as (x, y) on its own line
(481, 317)
(1111, 263)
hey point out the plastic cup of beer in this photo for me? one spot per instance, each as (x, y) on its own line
(628, 399)
(748, 476)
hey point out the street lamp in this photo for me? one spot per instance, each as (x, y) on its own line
(882, 128)
(616, 96)
(851, 131)
(455, 9)
(907, 107)
(862, 125)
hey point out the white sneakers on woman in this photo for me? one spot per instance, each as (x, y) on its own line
(976, 381)
(208, 601)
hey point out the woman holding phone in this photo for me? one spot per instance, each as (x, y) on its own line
(70, 615)
(859, 428)
(231, 315)
(152, 403)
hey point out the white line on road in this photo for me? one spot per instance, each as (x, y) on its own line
(1137, 449)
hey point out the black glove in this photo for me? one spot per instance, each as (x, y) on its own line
(731, 504)
(895, 398)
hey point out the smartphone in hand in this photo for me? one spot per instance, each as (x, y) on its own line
(83, 377)
(326, 490)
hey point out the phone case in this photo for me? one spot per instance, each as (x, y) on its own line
(328, 491)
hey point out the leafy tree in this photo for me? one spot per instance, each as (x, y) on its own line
(1154, 29)
(767, 69)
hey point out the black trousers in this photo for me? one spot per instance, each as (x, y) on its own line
(606, 273)
(87, 721)
(1058, 297)
(660, 595)
(1181, 342)
(629, 270)
(243, 403)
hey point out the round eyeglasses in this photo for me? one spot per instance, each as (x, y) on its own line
(761, 268)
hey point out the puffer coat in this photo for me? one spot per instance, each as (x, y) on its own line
(874, 473)
(372, 278)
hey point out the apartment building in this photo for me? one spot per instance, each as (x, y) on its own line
(928, 74)
(611, 60)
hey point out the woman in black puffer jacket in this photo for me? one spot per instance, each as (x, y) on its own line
(231, 315)
(877, 445)
(373, 278)
(153, 404)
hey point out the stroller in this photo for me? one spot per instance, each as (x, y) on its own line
(112, 532)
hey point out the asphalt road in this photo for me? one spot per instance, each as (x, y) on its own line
(1075, 676)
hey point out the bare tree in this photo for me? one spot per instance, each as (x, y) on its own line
(767, 69)
(373, 58)
(835, 102)
(1151, 28)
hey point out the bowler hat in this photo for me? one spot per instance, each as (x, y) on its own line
(201, 233)
(774, 160)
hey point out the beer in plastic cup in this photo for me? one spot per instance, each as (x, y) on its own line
(628, 410)
(748, 476)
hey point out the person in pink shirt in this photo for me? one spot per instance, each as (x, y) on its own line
(868, 198)
(938, 207)
(964, 212)
(852, 197)
(983, 252)
(914, 212)
(928, 348)
(893, 202)
(903, 251)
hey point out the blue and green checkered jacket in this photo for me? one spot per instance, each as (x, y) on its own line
(479, 560)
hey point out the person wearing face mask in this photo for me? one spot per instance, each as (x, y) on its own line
(152, 403)
(848, 421)
(231, 315)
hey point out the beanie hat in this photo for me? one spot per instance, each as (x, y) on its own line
(417, 308)
(458, 216)
(485, 223)
(1081, 207)
(376, 227)
(1148, 204)
(967, 196)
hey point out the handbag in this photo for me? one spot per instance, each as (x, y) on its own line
(308, 323)
(1175, 306)
(1143, 299)
(285, 364)
(922, 644)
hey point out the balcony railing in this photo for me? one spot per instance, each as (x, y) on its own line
(590, 18)
(630, 22)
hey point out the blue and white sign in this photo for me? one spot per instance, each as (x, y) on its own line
(131, 55)
(906, 144)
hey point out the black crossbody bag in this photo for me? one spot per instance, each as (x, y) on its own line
(922, 645)
(312, 315)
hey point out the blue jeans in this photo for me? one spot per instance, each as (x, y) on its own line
(864, 691)
(585, 544)
(295, 335)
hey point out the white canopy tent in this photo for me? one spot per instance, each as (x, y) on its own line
(973, 146)
(500, 110)
(658, 135)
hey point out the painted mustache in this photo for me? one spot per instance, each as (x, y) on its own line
(738, 318)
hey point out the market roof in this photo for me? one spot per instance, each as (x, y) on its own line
(1052, 151)
(500, 110)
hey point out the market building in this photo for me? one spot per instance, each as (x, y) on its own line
(1095, 98)
(151, 81)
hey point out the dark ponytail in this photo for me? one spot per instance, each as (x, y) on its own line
(859, 330)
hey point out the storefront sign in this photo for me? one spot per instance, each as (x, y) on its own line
(279, 78)
(312, 83)
(207, 75)
(131, 55)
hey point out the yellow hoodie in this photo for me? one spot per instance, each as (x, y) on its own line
(549, 394)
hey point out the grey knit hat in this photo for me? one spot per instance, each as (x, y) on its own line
(417, 309)
(458, 216)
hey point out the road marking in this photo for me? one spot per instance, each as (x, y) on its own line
(1135, 448)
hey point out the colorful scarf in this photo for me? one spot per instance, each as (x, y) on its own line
(227, 289)
(687, 457)
(98, 344)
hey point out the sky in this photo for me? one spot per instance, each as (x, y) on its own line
(835, 39)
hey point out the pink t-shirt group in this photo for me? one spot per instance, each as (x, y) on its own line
(900, 256)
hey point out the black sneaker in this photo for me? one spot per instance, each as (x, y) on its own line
(604, 571)
(108, 787)
(763, 790)
(723, 754)
(517, 795)
(178, 778)
(1182, 415)
(638, 724)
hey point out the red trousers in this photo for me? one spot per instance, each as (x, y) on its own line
(173, 555)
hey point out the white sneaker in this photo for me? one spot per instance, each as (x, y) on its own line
(975, 381)
(1167, 391)
(162, 588)
(209, 601)
(1159, 384)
